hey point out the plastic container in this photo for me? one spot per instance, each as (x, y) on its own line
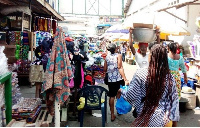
(198, 94)
(182, 104)
(191, 97)
(191, 83)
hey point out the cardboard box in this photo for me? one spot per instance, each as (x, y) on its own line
(16, 24)
(141, 25)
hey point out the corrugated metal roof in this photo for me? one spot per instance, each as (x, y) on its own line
(40, 7)
(127, 6)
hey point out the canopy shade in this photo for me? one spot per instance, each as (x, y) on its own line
(174, 30)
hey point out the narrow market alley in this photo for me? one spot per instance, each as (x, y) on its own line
(99, 63)
(190, 118)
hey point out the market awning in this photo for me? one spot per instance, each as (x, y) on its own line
(174, 30)
(40, 7)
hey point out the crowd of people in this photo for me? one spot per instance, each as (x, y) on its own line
(154, 90)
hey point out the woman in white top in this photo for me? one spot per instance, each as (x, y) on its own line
(141, 56)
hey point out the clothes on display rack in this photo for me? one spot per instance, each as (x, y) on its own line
(41, 24)
(44, 24)
(59, 71)
(42, 52)
(41, 36)
(54, 24)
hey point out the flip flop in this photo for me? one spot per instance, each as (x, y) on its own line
(113, 119)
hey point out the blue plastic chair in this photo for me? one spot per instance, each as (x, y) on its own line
(93, 95)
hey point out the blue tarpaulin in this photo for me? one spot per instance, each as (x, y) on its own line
(103, 25)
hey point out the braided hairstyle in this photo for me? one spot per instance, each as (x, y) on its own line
(158, 74)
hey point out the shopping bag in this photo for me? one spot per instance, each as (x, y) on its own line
(122, 106)
(106, 79)
(36, 73)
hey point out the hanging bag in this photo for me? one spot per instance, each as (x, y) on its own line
(106, 79)
(122, 106)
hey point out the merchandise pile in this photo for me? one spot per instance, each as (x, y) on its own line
(16, 95)
(26, 108)
(95, 64)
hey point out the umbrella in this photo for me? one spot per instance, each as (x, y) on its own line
(118, 28)
(125, 37)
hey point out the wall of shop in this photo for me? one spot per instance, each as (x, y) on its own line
(194, 12)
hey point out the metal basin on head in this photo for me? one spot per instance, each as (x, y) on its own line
(144, 35)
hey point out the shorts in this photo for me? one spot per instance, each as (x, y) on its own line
(113, 87)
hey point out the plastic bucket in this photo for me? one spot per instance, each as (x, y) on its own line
(191, 97)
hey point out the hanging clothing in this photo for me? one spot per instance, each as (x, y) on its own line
(46, 25)
(54, 26)
(58, 72)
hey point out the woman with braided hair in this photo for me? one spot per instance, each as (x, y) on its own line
(153, 92)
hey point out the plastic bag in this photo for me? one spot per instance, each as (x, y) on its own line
(3, 62)
(122, 106)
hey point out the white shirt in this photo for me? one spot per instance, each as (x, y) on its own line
(142, 62)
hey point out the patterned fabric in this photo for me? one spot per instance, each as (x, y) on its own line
(25, 50)
(40, 36)
(177, 77)
(165, 112)
(12, 37)
(112, 69)
(58, 72)
(18, 37)
(175, 64)
(174, 67)
(25, 38)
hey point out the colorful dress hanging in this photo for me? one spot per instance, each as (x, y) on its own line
(58, 73)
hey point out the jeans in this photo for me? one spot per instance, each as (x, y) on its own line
(123, 56)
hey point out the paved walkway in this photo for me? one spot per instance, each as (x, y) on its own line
(191, 118)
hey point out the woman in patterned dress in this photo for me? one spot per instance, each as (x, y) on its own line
(116, 77)
(153, 92)
(175, 62)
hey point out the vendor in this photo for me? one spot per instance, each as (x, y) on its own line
(141, 56)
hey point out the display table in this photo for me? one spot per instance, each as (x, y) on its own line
(6, 79)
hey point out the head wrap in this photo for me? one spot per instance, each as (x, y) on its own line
(140, 44)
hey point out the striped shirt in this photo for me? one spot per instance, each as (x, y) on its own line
(137, 91)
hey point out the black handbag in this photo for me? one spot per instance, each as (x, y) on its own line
(106, 79)
(134, 113)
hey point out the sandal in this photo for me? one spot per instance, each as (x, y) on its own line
(113, 119)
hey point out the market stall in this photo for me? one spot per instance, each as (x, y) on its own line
(25, 30)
